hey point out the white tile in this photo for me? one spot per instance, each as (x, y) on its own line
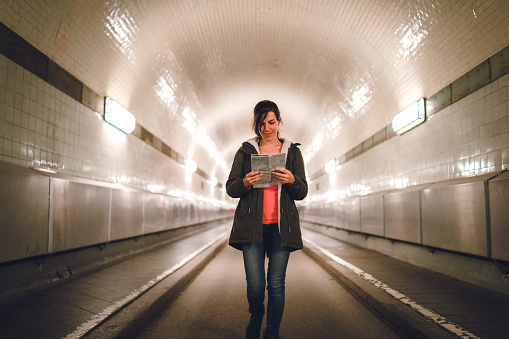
(496, 98)
(3, 110)
(503, 80)
(3, 79)
(503, 94)
(504, 125)
(3, 63)
(7, 148)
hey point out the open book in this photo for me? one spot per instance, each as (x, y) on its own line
(266, 164)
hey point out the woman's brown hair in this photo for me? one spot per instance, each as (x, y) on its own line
(260, 113)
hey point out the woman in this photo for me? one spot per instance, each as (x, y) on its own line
(266, 219)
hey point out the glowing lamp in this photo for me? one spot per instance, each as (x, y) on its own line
(410, 117)
(330, 167)
(190, 165)
(118, 116)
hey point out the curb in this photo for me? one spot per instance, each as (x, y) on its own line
(408, 322)
(126, 322)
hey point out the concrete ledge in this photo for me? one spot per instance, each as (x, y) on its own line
(474, 270)
(408, 322)
(125, 323)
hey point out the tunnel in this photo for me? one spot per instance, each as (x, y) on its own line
(400, 110)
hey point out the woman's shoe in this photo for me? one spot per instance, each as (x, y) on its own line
(254, 326)
(267, 335)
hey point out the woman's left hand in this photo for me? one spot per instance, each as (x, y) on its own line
(284, 175)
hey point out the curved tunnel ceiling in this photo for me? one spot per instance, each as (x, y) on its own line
(192, 70)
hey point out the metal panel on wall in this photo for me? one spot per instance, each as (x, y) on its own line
(307, 213)
(194, 214)
(499, 215)
(173, 214)
(339, 214)
(52, 212)
(403, 216)
(372, 214)
(126, 214)
(454, 217)
(353, 214)
(154, 212)
(23, 215)
(185, 212)
(319, 217)
(80, 214)
(328, 213)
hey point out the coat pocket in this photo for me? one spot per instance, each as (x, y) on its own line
(242, 208)
(293, 213)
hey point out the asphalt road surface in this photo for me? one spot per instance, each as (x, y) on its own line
(215, 306)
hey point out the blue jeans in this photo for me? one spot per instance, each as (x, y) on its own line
(254, 264)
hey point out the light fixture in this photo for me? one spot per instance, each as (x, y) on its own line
(190, 165)
(213, 181)
(44, 169)
(410, 117)
(330, 167)
(118, 116)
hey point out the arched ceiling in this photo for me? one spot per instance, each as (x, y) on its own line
(192, 70)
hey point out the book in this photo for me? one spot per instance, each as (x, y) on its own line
(266, 164)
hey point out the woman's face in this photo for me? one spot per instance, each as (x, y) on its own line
(268, 127)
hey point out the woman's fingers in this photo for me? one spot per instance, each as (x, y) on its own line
(256, 178)
(284, 175)
(253, 177)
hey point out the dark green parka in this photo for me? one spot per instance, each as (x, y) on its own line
(247, 223)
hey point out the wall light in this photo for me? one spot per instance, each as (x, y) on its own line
(330, 167)
(44, 169)
(213, 181)
(118, 116)
(410, 117)
(190, 165)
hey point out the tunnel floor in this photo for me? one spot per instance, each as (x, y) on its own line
(118, 298)
(215, 305)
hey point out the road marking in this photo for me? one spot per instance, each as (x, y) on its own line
(100, 317)
(426, 312)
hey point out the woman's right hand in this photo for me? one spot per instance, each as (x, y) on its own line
(252, 178)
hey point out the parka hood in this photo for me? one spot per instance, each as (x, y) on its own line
(251, 145)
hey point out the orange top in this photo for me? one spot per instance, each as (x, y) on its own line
(270, 213)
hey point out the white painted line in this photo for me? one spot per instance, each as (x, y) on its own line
(426, 312)
(98, 318)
